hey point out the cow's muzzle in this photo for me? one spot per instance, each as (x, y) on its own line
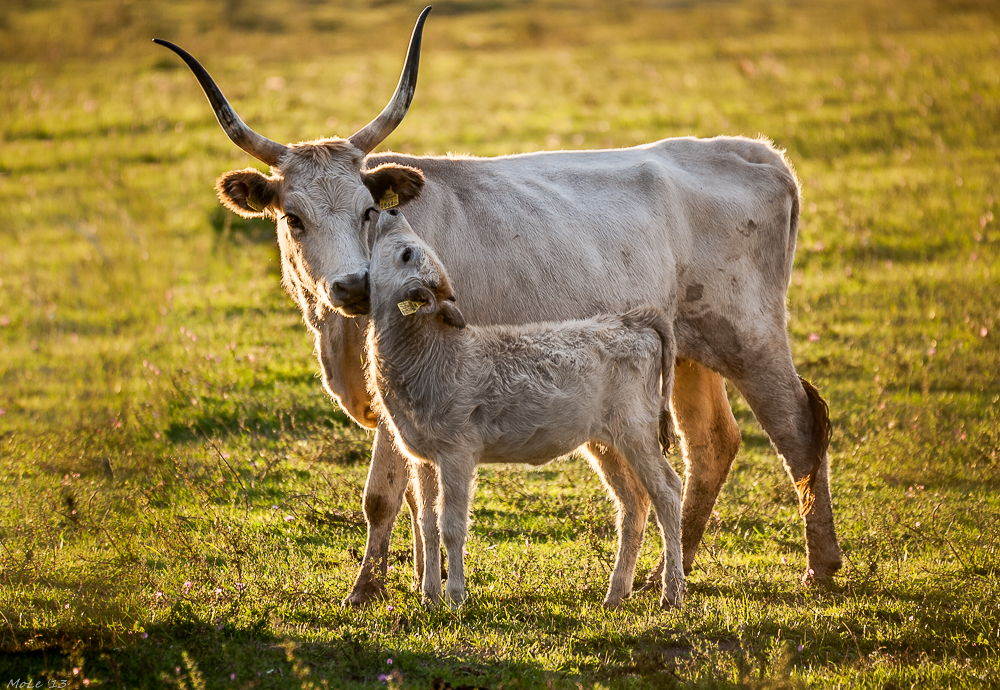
(349, 294)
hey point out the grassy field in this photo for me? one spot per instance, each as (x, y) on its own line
(180, 501)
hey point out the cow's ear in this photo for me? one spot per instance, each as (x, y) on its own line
(406, 183)
(248, 193)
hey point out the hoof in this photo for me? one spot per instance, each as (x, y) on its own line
(455, 600)
(821, 572)
(367, 590)
(669, 602)
(612, 603)
(673, 592)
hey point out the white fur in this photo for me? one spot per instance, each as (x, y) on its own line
(458, 397)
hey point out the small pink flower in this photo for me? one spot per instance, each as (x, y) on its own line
(983, 331)
(76, 670)
(801, 647)
(159, 595)
(187, 585)
(388, 608)
(66, 606)
(145, 635)
(289, 518)
(232, 676)
(389, 661)
(218, 590)
(814, 337)
(784, 561)
(931, 351)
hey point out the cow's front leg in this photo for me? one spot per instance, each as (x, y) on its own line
(384, 488)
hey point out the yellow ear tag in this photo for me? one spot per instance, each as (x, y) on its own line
(409, 308)
(389, 200)
(254, 205)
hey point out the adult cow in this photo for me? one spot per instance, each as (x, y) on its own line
(553, 236)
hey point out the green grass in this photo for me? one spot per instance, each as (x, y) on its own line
(162, 423)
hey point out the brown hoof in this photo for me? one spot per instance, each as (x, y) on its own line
(366, 590)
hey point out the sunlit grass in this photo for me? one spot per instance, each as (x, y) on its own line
(181, 500)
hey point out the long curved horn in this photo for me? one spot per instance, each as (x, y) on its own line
(372, 134)
(260, 147)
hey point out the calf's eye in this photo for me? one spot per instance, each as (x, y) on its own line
(406, 255)
(294, 222)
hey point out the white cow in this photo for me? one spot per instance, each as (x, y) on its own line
(552, 236)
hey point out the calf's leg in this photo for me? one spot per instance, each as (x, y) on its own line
(455, 496)
(633, 508)
(426, 480)
(710, 440)
(418, 542)
(383, 497)
(663, 486)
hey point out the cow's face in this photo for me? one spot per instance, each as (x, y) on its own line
(406, 275)
(320, 195)
(318, 191)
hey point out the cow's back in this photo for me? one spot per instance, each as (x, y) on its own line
(557, 235)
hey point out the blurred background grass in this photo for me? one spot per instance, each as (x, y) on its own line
(161, 415)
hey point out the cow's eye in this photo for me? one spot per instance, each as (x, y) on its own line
(406, 255)
(294, 222)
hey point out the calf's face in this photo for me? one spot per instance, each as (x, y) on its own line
(405, 270)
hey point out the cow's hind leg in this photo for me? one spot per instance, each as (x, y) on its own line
(796, 419)
(632, 503)
(384, 489)
(710, 440)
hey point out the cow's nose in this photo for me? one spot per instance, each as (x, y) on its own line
(349, 293)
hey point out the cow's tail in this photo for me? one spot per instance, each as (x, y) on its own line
(821, 433)
(657, 320)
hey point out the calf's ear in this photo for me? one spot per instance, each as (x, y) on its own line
(406, 183)
(248, 193)
(451, 314)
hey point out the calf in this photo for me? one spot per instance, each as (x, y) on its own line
(456, 397)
